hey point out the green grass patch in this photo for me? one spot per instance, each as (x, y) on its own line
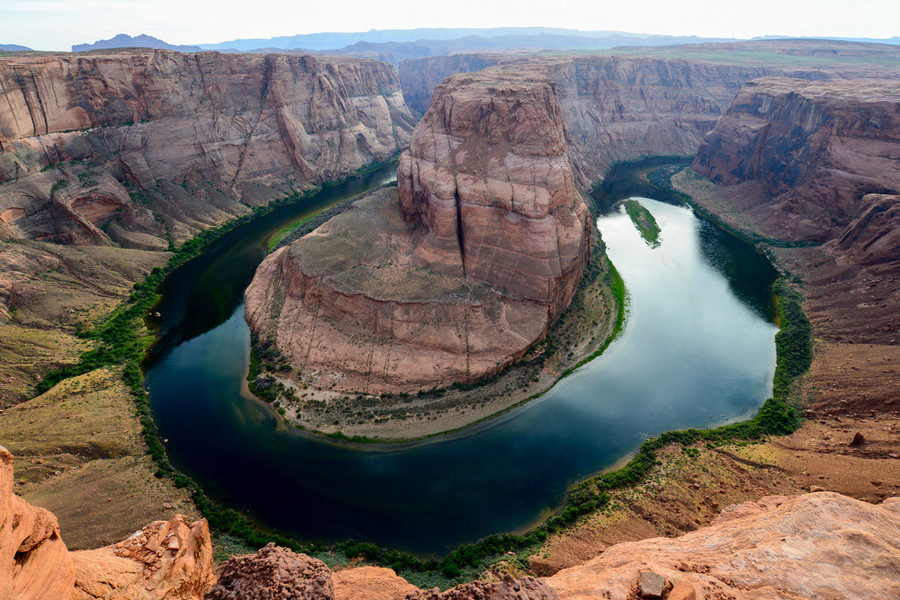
(644, 221)
(287, 230)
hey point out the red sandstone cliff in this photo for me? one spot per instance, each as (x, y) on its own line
(615, 108)
(494, 245)
(809, 152)
(197, 137)
(488, 175)
(34, 562)
(818, 163)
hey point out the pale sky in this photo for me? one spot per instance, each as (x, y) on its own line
(57, 24)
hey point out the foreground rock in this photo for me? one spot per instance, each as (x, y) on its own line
(171, 560)
(166, 560)
(137, 147)
(819, 545)
(273, 573)
(484, 251)
(34, 562)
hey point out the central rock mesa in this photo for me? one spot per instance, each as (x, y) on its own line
(459, 271)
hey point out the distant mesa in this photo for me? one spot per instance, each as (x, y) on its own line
(14, 48)
(394, 45)
(123, 40)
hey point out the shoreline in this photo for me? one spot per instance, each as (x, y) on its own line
(440, 412)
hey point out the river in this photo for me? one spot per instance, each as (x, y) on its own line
(697, 350)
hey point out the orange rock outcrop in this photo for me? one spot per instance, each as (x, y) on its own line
(164, 561)
(34, 561)
(820, 545)
(171, 560)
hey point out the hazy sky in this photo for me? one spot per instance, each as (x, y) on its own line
(57, 24)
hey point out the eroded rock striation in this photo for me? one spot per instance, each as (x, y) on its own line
(616, 108)
(810, 151)
(134, 146)
(166, 560)
(482, 252)
(488, 176)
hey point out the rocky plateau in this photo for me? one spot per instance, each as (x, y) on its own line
(457, 277)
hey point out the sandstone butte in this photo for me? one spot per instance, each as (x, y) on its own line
(459, 276)
(140, 147)
(820, 545)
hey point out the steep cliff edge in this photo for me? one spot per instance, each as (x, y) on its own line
(816, 164)
(457, 278)
(136, 146)
(166, 560)
(616, 108)
(488, 176)
(811, 150)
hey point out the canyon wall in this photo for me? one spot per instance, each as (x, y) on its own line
(455, 273)
(816, 165)
(615, 108)
(811, 150)
(420, 76)
(136, 146)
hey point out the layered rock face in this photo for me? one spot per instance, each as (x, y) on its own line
(615, 108)
(810, 151)
(488, 175)
(171, 560)
(483, 252)
(420, 76)
(82, 136)
(873, 238)
(347, 305)
(624, 108)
